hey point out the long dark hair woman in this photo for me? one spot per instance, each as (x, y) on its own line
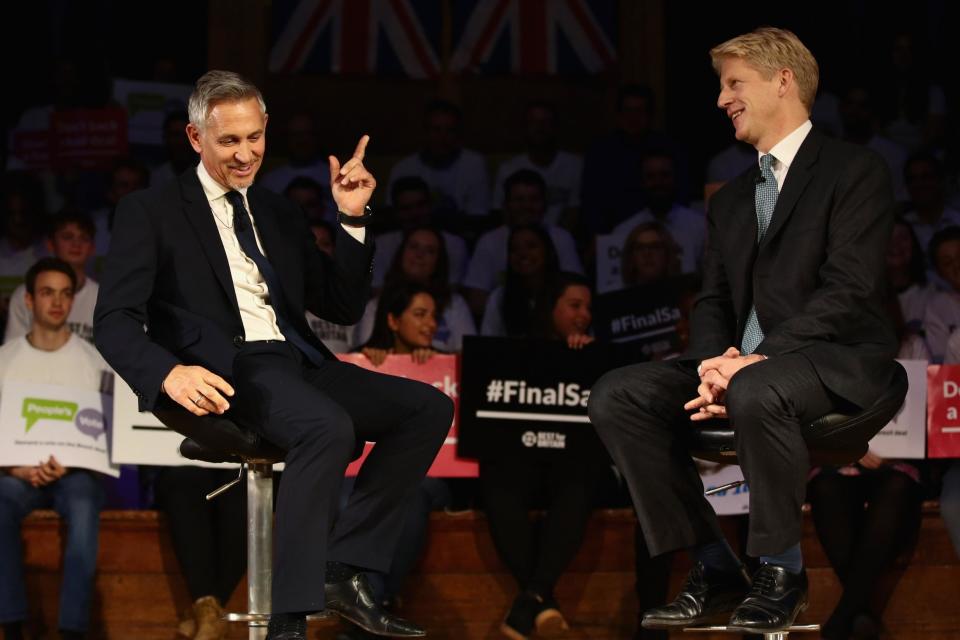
(422, 260)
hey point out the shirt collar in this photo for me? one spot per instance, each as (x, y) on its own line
(786, 150)
(211, 188)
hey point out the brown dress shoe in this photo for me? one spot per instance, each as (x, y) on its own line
(210, 622)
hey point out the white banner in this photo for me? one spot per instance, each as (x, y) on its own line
(609, 249)
(147, 105)
(732, 501)
(905, 435)
(139, 438)
(40, 420)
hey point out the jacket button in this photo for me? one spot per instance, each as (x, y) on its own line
(238, 341)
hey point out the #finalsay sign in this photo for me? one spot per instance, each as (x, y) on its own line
(528, 397)
(71, 424)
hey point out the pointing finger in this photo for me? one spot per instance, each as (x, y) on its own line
(361, 149)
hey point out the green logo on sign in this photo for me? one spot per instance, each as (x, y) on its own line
(40, 409)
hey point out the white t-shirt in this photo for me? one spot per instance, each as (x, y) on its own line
(913, 304)
(562, 177)
(493, 323)
(335, 336)
(454, 323)
(464, 185)
(941, 318)
(75, 364)
(688, 228)
(925, 230)
(80, 319)
(489, 262)
(388, 243)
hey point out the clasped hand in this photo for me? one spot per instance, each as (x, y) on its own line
(715, 375)
(42, 474)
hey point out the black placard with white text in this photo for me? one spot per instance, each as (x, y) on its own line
(528, 398)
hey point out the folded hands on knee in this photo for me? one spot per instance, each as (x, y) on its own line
(715, 374)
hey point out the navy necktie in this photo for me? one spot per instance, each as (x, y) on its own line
(248, 242)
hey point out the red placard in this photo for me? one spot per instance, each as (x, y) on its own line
(88, 138)
(443, 373)
(943, 411)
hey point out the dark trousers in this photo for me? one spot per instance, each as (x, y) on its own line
(638, 412)
(510, 489)
(863, 522)
(209, 537)
(318, 415)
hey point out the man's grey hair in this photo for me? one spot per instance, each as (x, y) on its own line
(216, 86)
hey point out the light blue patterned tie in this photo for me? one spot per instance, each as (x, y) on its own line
(765, 197)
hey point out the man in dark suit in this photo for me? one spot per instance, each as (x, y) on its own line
(219, 272)
(788, 327)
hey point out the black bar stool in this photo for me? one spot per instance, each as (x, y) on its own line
(834, 439)
(213, 438)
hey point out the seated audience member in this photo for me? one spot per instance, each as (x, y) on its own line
(50, 354)
(422, 260)
(337, 337)
(524, 203)
(942, 314)
(649, 255)
(456, 175)
(688, 227)
(312, 197)
(71, 240)
(927, 211)
(405, 324)
(561, 170)
(209, 542)
(128, 175)
(304, 160)
(907, 276)
(412, 209)
(614, 159)
(560, 481)
(859, 118)
(865, 515)
(180, 156)
(532, 264)
(20, 238)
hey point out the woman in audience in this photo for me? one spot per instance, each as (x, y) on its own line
(405, 325)
(559, 481)
(867, 513)
(907, 275)
(517, 308)
(649, 255)
(422, 260)
(942, 312)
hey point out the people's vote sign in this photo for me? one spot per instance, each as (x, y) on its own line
(528, 397)
(72, 425)
(943, 411)
(441, 372)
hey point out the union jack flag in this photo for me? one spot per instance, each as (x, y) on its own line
(356, 36)
(534, 36)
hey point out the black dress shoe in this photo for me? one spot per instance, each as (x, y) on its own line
(286, 629)
(353, 600)
(707, 596)
(775, 599)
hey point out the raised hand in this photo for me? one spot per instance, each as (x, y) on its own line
(352, 185)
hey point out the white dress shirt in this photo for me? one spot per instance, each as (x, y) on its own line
(785, 151)
(258, 316)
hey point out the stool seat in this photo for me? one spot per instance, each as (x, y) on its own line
(833, 439)
(214, 438)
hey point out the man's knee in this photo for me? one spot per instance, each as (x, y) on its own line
(436, 410)
(634, 388)
(605, 395)
(749, 395)
(330, 434)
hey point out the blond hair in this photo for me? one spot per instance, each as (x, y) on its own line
(769, 50)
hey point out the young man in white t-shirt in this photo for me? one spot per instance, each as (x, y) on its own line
(50, 354)
(71, 240)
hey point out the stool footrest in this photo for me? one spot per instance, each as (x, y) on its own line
(722, 628)
(261, 619)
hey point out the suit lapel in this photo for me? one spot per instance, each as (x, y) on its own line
(798, 177)
(201, 219)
